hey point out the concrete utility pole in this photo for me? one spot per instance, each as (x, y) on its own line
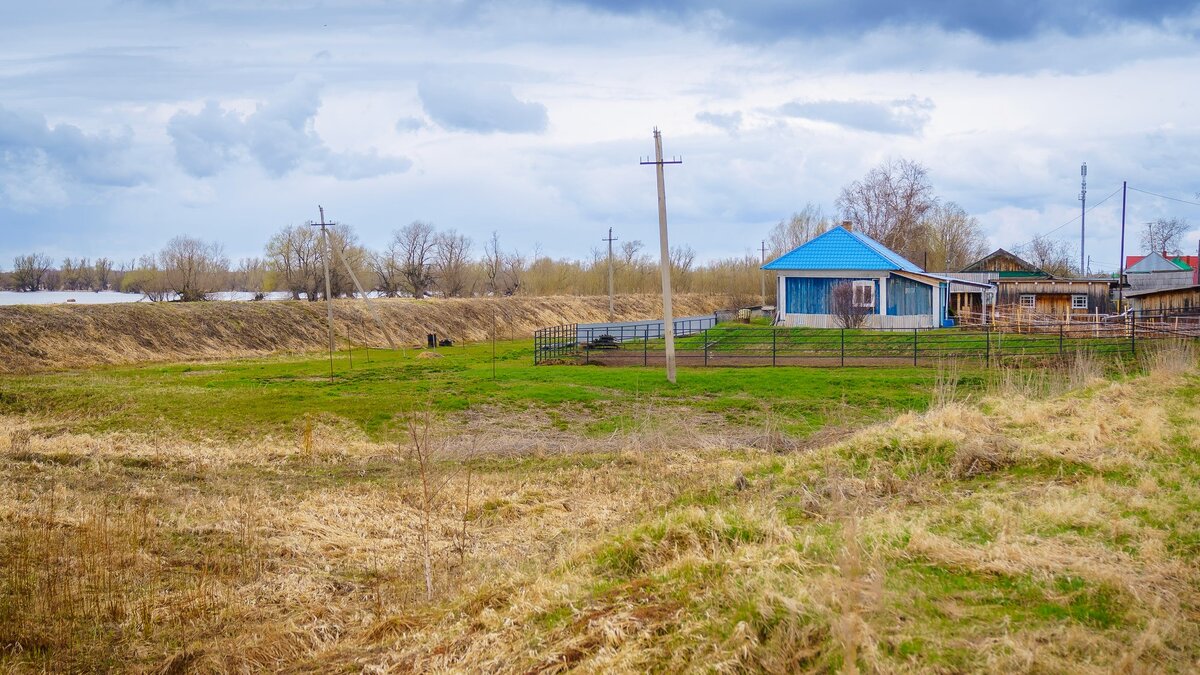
(665, 254)
(325, 264)
(763, 274)
(610, 240)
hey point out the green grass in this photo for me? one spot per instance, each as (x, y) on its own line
(254, 397)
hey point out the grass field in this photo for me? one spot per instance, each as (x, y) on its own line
(416, 514)
(236, 399)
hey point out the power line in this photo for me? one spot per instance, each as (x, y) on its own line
(1093, 208)
(1155, 194)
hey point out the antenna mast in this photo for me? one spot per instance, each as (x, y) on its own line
(762, 274)
(1082, 212)
(664, 254)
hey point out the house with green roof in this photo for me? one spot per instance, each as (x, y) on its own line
(894, 292)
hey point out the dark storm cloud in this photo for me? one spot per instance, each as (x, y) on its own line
(902, 116)
(999, 20)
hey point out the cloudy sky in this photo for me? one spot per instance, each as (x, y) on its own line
(125, 123)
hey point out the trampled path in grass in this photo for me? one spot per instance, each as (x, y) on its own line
(276, 396)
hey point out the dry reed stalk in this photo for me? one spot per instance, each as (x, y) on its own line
(54, 337)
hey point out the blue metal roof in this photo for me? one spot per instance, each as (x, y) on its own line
(842, 249)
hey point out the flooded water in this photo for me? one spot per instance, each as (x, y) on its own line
(111, 297)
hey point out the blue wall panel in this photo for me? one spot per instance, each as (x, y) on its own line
(906, 297)
(810, 295)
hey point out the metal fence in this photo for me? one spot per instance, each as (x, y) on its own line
(573, 341)
(748, 345)
(556, 343)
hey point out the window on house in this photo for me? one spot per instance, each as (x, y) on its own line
(1028, 301)
(1079, 302)
(864, 294)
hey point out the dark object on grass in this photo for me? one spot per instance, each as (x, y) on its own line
(445, 342)
(430, 340)
(604, 342)
(741, 483)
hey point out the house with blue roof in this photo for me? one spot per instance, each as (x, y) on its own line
(897, 293)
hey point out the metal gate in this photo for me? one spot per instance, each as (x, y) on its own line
(556, 343)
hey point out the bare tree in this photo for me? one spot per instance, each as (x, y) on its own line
(849, 310)
(102, 274)
(631, 252)
(250, 276)
(345, 251)
(386, 266)
(294, 256)
(452, 262)
(1163, 235)
(953, 238)
(514, 272)
(145, 277)
(681, 258)
(890, 205)
(799, 229)
(416, 244)
(193, 269)
(1049, 255)
(493, 263)
(29, 271)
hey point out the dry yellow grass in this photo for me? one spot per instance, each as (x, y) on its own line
(54, 337)
(1016, 533)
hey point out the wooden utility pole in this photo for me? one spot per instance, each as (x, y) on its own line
(610, 240)
(1121, 273)
(665, 255)
(325, 249)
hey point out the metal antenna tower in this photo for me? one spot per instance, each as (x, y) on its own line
(610, 241)
(1082, 212)
(664, 253)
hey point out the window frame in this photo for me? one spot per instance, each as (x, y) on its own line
(1027, 300)
(1076, 297)
(867, 284)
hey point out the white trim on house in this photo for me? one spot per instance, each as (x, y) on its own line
(879, 319)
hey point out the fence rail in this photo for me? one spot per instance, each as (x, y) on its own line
(747, 345)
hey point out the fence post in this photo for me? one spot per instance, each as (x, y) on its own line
(914, 346)
(646, 346)
(987, 345)
(843, 347)
(1060, 339)
(1133, 334)
(706, 347)
(774, 333)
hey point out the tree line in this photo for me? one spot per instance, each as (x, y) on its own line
(894, 203)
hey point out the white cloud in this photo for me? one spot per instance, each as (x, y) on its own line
(278, 135)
